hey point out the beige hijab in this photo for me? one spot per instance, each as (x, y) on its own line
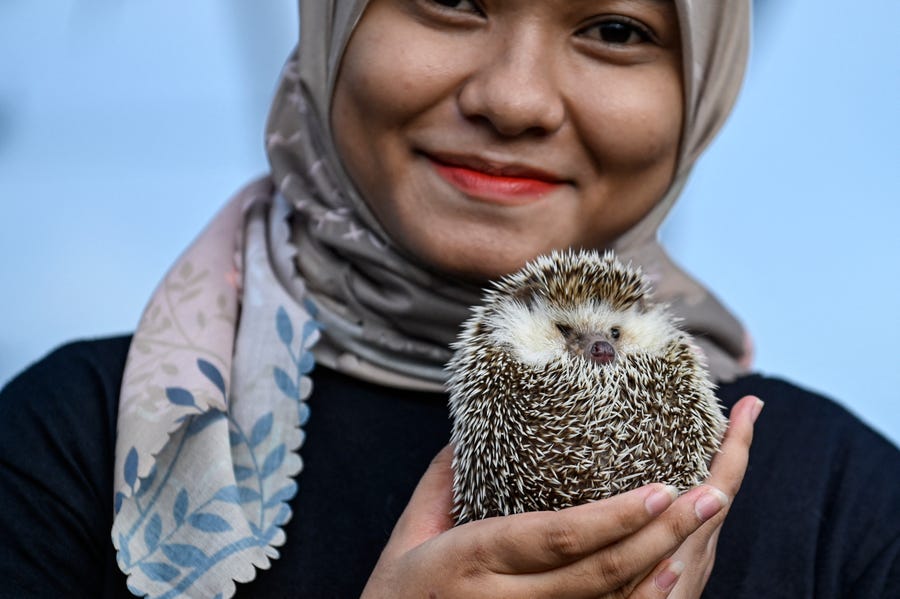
(388, 317)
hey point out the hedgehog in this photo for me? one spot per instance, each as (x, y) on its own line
(569, 384)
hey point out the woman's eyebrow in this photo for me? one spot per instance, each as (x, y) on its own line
(656, 2)
(653, 3)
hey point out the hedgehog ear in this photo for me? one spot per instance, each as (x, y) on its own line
(526, 292)
(641, 305)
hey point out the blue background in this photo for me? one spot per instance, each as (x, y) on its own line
(125, 125)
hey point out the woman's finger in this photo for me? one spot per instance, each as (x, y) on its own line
(539, 541)
(727, 472)
(660, 582)
(428, 512)
(730, 463)
(621, 563)
(574, 540)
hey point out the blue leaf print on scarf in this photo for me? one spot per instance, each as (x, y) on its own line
(261, 429)
(310, 307)
(124, 553)
(303, 413)
(198, 423)
(237, 495)
(152, 532)
(283, 515)
(131, 464)
(146, 482)
(234, 438)
(248, 495)
(212, 373)
(209, 522)
(180, 397)
(242, 473)
(273, 461)
(183, 555)
(283, 324)
(257, 532)
(283, 494)
(173, 552)
(229, 494)
(309, 327)
(306, 363)
(303, 361)
(284, 382)
(180, 508)
(117, 504)
(160, 571)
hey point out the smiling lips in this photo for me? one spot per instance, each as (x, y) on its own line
(494, 183)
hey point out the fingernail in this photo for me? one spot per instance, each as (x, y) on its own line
(757, 408)
(659, 500)
(666, 579)
(710, 503)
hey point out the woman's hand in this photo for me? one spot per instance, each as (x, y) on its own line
(698, 552)
(617, 547)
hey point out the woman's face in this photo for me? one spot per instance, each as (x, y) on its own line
(483, 133)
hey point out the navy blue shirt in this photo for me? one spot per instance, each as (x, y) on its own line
(818, 515)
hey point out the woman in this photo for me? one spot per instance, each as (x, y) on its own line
(420, 148)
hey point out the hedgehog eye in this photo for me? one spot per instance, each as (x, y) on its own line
(564, 330)
(615, 332)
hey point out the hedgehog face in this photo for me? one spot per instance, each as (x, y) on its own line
(598, 347)
(569, 306)
(540, 331)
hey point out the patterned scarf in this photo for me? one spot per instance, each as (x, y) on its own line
(295, 269)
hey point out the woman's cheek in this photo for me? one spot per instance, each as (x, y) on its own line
(399, 82)
(631, 129)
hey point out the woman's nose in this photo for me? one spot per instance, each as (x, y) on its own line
(514, 87)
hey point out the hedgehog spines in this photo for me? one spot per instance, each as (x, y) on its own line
(546, 429)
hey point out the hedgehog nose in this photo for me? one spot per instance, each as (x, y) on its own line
(602, 352)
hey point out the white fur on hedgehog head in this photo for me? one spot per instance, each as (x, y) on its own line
(538, 329)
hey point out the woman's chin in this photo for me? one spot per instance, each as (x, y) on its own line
(478, 263)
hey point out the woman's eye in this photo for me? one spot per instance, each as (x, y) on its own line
(462, 5)
(619, 32)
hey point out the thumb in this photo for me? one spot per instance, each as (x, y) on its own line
(428, 512)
